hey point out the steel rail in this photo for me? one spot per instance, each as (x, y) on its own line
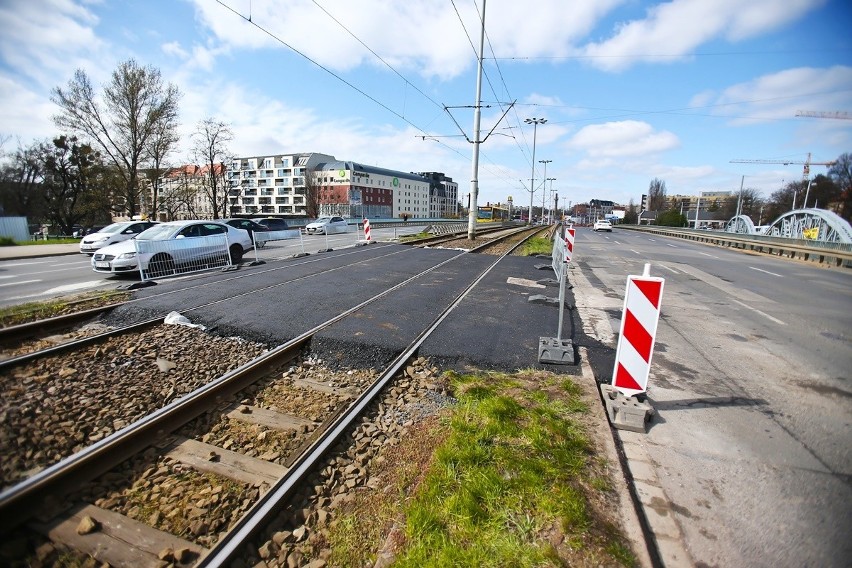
(22, 500)
(92, 339)
(15, 333)
(268, 506)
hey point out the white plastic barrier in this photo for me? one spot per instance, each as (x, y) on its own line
(162, 258)
(263, 237)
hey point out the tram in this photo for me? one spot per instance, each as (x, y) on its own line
(489, 213)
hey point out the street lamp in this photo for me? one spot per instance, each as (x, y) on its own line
(543, 186)
(535, 122)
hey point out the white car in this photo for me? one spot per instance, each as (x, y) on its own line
(602, 225)
(180, 246)
(327, 225)
(111, 234)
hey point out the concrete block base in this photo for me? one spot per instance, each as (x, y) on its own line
(626, 412)
(543, 267)
(556, 352)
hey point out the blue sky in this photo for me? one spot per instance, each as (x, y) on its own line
(632, 90)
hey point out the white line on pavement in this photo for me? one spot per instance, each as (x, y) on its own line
(767, 316)
(767, 272)
(21, 282)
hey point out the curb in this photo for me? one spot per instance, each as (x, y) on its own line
(626, 505)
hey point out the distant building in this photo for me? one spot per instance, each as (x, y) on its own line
(276, 185)
(181, 193)
(443, 195)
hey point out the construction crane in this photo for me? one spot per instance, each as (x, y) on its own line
(843, 115)
(807, 163)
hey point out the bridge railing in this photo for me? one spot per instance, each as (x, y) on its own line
(834, 254)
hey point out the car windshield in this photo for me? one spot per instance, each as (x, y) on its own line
(323, 220)
(115, 228)
(156, 233)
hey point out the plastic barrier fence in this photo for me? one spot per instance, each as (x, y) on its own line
(158, 259)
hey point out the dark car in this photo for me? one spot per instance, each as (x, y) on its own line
(246, 225)
(273, 223)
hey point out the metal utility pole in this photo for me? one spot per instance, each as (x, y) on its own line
(477, 113)
(535, 122)
(551, 180)
(543, 186)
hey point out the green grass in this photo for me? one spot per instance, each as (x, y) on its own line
(513, 467)
(537, 245)
(9, 242)
(33, 311)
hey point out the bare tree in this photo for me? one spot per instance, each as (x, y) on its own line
(656, 195)
(841, 175)
(211, 139)
(163, 142)
(135, 107)
(312, 193)
(179, 194)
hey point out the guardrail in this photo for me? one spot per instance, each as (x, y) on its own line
(832, 254)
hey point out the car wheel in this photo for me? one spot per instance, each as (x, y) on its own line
(236, 254)
(161, 265)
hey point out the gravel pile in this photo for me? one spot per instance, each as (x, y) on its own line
(299, 535)
(56, 406)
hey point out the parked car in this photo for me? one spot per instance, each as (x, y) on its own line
(111, 234)
(246, 225)
(602, 225)
(327, 225)
(121, 258)
(273, 223)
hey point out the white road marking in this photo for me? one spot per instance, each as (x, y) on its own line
(8, 264)
(767, 272)
(636, 251)
(668, 268)
(708, 254)
(21, 282)
(671, 245)
(74, 287)
(767, 316)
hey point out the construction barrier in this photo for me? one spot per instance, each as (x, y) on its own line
(637, 334)
(367, 236)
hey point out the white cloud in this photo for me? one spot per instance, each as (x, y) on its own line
(426, 36)
(175, 49)
(43, 40)
(779, 95)
(673, 30)
(619, 139)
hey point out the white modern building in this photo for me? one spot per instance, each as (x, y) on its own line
(276, 185)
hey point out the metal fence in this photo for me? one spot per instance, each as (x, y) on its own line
(163, 258)
(15, 228)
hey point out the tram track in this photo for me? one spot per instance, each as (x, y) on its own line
(105, 454)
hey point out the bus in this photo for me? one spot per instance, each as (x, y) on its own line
(489, 213)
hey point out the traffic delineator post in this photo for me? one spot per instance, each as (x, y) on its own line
(367, 236)
(638, 331)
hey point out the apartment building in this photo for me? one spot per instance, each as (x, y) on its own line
(276, 185)
(182, 193)
(443, 195)
(270, 185)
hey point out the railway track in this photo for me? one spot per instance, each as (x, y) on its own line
(196, 480)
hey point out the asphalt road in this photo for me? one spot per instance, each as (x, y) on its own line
(749, 458)
(36, 278)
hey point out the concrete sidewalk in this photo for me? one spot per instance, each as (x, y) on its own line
(18, 252)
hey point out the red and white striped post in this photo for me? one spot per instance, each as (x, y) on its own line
(569, 243)
(367, 230)
(638, 331)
